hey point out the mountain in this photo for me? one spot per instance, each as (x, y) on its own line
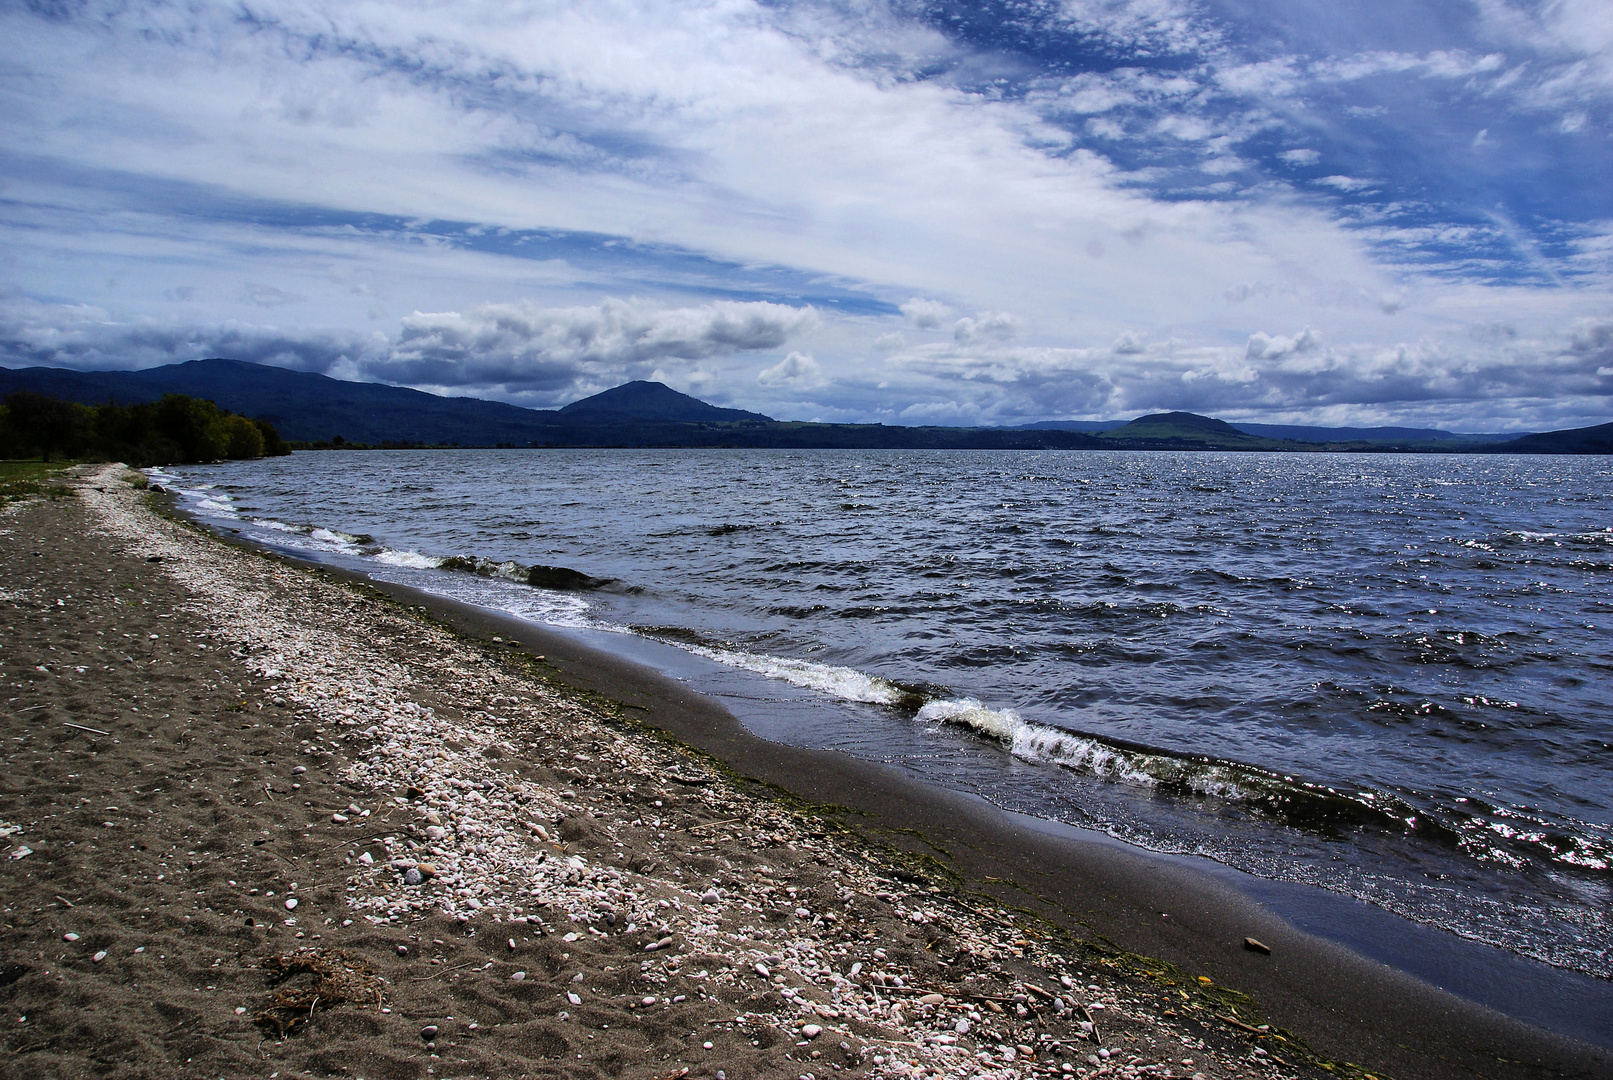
(1585, 440)
(303, 407)
(1300, 433)
(1091, 426)
(1184, 431)
(1303, 433)
(309, 408)
(642, 400)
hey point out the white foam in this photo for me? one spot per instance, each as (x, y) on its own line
(844, 683)
(411, 560)
(337, 538)
(280, 526)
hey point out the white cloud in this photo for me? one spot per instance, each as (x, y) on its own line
(988, 326)
(925, 314)
(1300, 157)
(526, 345)
(1266, 347)
(796, 370)
(1348, 184)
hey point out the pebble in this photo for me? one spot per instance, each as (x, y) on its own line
(98, 957)
(1254, 946)
(291, 905)
(69, 937)
(476, 822)
(339, 818)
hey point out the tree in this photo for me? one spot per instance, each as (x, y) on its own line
(44, 424)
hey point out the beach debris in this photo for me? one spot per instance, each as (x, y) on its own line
(1255, 946)
(313, 979)
(22, 852)
(91, 730)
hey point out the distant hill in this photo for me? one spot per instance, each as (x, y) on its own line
(1302, 433)
(1072, 425)
(310, 408)
(303, 407)
(655, 401)
(1585, 440)
(1184, 431)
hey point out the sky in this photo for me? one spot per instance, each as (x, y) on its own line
(895, 211)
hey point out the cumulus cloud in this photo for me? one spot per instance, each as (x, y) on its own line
(990, 326)
(1300, 157)
(1264, 346)
(796, 370)
(1349, 184)
(495, 349)
(1128, 344)
(530, 346)
(86, 337)
(925, 314)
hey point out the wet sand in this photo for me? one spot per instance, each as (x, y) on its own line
(192, 742)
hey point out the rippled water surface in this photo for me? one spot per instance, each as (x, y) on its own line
(1387, 675)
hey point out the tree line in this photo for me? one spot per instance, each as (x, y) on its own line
(175, 430)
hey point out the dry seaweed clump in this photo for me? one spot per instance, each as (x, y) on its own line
(312, 979)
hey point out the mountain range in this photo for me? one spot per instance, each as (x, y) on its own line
(314, 409)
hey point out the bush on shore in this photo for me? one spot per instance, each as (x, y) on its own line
(175, 430)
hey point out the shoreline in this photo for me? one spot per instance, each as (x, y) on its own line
(261, 741)
(1090, 885)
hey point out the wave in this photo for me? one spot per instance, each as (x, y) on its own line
(1502, 836)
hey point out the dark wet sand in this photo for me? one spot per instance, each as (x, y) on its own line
(1347, 1007)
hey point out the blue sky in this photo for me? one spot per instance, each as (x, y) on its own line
(897, 211)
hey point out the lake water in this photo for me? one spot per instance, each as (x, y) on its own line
(1387, 675)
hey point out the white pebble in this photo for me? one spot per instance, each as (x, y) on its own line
(98, 957)
(291, 905)
(518, 976)
(811, 1031)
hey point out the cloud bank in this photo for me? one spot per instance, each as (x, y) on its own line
(992, 212)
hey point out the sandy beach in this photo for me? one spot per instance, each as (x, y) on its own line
(267, 820)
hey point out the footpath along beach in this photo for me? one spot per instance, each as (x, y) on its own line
(262, 820)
